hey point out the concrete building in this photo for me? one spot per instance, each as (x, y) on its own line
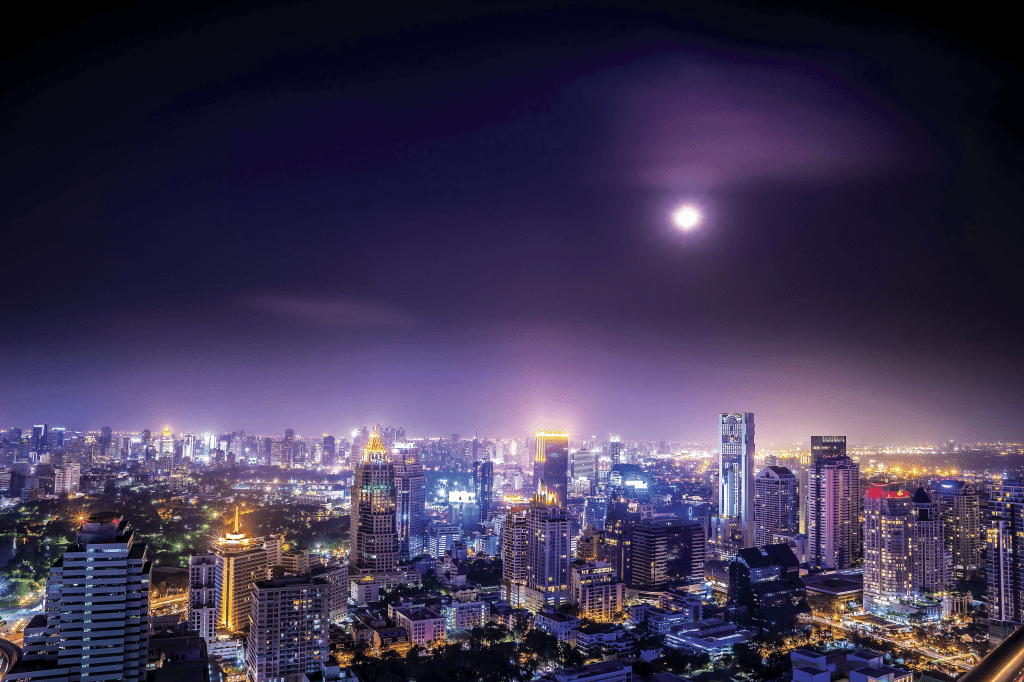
(1005, 570)
(605, 671)
(243, 561)
(961, 526)
(513, 558)
(337, 594)
(547, 552)
(561, 625)
(295, 561)
(736, 471)
(776, 504)
(101, 581)
(597, 590)
(710, 636)
(666, 550)
(440, 538)
(204, 594)
(424, 624)
(288, 628)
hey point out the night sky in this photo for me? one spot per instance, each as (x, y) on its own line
(458, 219)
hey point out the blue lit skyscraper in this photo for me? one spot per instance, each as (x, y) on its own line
(736, 471)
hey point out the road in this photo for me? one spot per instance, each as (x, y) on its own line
(10, 653)
(914, 647)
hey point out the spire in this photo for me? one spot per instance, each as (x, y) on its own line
(236, 518)
(374, 450)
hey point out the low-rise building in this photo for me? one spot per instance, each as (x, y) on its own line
(424, 624)
(561, 625)
(605, 671)
(465, 615)
(709, 636)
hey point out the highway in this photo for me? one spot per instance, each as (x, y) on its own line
(10, 654)
(913, 647)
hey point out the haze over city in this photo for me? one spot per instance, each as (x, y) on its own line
(462, 221)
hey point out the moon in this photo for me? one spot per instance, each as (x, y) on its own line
(686, 217)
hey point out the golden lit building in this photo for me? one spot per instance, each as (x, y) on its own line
(243, 561)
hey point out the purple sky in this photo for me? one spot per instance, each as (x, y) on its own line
(460, 221)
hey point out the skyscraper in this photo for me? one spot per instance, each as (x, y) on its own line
(242, 561)
(618, 537)
(833, 508)
(928, 565)
(547, 552)
(483, 485)
(615, 451)
(410, 500)
(373, 538)
(551, 464)
(736, 471)
(1005, 555)
(584, 465)
(288, 631)
(961, 526)
(513, 558)
(776, 500)
(329, 450)
(96, 622)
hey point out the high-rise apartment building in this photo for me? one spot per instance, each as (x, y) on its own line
(513, 557)
(618, 537)
(410, 500)
(373, 538)
(67, 480)
(337, 594)
(548, 552)
(95, 627)
(666, 550)
(833, 508)
(1005, 557)
(205, 589)
(961, 526)
(736, 470)
(551, 464)
(776, 504)
(288, 628)
(483, 485)
(597, 590)
(903, 550)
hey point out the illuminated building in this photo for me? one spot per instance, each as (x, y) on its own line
(595, 509)
(483, 486)
(961, 526)
(776, 501)
(204, 594)
(736, 471)
(243, 561)
(328, 450)
(373, 538)
(833, 507)
(1005, 555)
(615, 451)
(67, 480)
(551, 464)
(666, 550)
(463, 510)
(584, 466)
(167, 441)
(903, 552)
(440, 538)
(288, 632)
(95, 626)
(513, 557)
(410, 500)
(547, 552)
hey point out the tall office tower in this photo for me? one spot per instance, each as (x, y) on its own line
(928, 566)
(102, 581)
(39, 433)
(618, 537)
(776, 501)
(288, 448)
(329, 450)
(615, 451)
(1005, 558)
(833, 509)
(551, 465)
(547, 552)
(373, 538)
(483, 485)
(243, 561)
(147, 436)
(410, 501)
(802, 472)
(288, 628)
(188, 447)
(827, 447)
(400, 434)
(961, 526)
(513, 557)
(597, 590)
(106, 435)
(584, 465)
(666, 550)
(765, 580)
(736, 471)
(167, 441)
(204, 593)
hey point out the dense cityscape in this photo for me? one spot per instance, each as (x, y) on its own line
(375, 553)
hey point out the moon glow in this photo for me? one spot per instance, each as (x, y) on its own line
(686, 217)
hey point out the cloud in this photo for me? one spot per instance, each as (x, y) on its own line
(332, 311)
